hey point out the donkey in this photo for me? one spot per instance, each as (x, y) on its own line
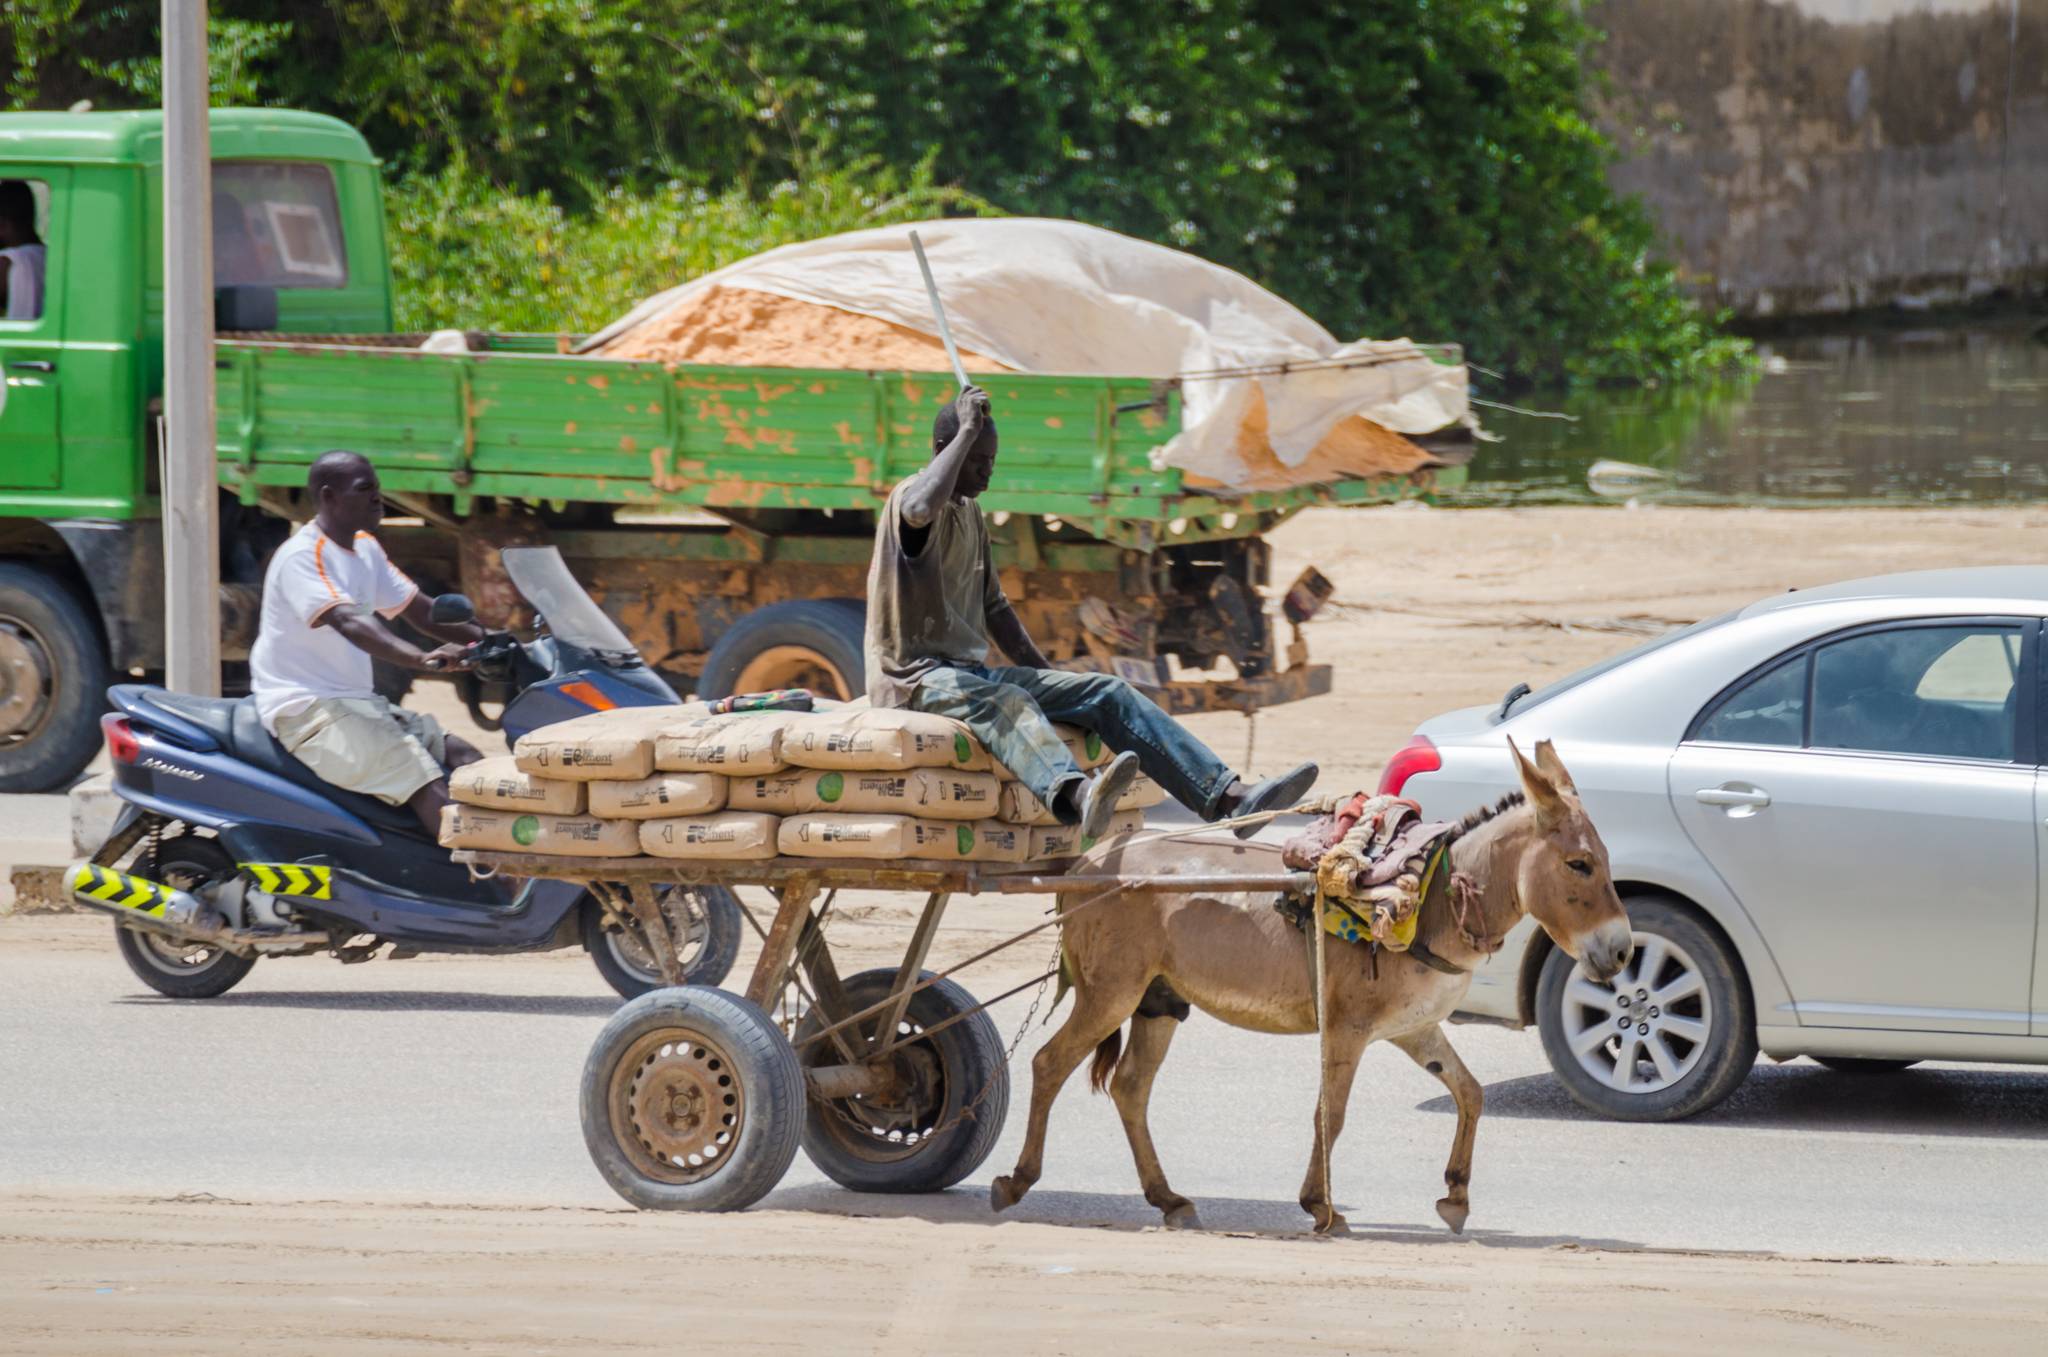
(1236, 958)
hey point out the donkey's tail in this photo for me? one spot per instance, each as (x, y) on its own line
(1107, 1053)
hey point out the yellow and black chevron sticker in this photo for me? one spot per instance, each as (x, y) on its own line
(119, 888)
(293, 878)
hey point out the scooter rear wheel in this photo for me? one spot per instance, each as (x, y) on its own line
(170, 968)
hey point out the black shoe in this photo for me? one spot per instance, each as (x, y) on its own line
(1107, 788)
(1275, 793)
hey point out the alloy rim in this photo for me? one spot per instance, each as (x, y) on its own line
(1646, 1029)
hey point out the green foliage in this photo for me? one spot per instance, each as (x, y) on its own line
(1420, 167)
(468, 255)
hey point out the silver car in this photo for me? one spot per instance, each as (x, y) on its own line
(1826, 815)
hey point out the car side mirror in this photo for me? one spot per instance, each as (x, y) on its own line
(450, 609)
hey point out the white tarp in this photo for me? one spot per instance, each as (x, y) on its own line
(1044, 295)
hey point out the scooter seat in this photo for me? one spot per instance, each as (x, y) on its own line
(235, 724)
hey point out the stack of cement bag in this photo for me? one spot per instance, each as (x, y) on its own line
(849, 782)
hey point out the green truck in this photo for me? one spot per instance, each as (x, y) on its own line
(723, 515)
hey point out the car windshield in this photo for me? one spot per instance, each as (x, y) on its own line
(1527, 701)
(543, 579)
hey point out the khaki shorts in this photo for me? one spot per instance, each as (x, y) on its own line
(367, 745)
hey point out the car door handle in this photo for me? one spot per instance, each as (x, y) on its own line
(34, 365)
(1731, 796)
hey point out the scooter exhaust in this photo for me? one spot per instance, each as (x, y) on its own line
(138, 902)
(131, 897)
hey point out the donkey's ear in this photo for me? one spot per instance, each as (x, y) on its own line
(1553, 767)
(1537, 786)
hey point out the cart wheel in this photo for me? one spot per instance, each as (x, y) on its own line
(692, 1101)
(917, 1140)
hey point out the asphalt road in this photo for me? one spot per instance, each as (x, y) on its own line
(454, 1080)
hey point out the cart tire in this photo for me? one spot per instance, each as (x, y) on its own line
(707, 958)
(927, 1146)
(692, 1100)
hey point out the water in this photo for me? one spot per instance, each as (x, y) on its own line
(1948, 415)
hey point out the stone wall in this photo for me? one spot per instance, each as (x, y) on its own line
(1815, 156)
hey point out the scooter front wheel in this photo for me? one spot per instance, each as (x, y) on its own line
(704, 922)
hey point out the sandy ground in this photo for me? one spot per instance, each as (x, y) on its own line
(1436, 609)
(113, 1275)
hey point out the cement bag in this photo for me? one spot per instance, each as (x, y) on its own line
(615, 745)
(735, 743)
(497, 784)
(727, 837)
(896, 837)
(886, 738)
(662, 796)
(930, 793)
(1086, 747)
(1065, 841)
(1020, 807)
(504, 831)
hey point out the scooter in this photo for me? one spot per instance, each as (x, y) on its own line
(237, 851)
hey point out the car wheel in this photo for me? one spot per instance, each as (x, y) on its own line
(1857, 1064)
(1668, 1037)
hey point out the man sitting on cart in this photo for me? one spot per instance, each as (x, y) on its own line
(934, 604)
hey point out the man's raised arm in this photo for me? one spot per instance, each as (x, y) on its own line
(932, 487)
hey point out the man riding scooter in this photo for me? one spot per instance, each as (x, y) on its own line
(310, 670)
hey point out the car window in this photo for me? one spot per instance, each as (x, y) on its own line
(1919, 690)
(1769, 709)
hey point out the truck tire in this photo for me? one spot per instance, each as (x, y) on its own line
(53, 680)
(814, 643)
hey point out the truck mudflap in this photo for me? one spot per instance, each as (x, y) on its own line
(1189, 696)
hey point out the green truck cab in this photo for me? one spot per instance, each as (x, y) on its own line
(722, 514)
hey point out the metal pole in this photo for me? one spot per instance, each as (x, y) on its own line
(190, 483)
(931, 289)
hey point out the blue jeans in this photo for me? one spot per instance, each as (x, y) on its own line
(1011, 710)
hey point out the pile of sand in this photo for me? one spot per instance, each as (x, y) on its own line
(743, 327)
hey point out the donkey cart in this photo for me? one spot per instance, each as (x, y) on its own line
(892, 1080)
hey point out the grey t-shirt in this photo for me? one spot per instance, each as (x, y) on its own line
(929, 610)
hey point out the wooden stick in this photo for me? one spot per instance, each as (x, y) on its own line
(931, 288)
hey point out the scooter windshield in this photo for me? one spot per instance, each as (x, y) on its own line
(543, 579)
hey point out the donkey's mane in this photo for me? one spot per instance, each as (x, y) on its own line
(1485, 813)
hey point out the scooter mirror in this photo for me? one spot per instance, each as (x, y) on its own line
(449, 609)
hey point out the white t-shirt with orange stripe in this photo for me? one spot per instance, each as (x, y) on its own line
(296, 663)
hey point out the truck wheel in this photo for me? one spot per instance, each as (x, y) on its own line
(814, 643)
(953, 1094)
(1670, 1036)
(53, 680)
(705, 921)
(170, 968)
(692, 1100)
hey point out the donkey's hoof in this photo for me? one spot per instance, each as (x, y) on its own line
(1004, 1193)
(1454, 1214)
(1183, 1217)
(1328, 1222)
